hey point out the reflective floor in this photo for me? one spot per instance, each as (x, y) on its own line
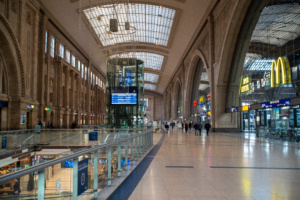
(221, 166)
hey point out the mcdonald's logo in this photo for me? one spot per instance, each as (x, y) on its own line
(282, 65)
(201, 100)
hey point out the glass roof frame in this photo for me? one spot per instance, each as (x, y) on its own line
(276, 25)
(151, 60)
(140, 17)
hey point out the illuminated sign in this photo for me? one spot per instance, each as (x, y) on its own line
(245, 108)
(30, 106)
(201, 100)
(245, 88)
(246, 80)
(235, 109)
(208, 95)
(195, 115)
(195, 103)
(282, 65)
(245, 85)
(277, 103)
(47, 109)
(209, 113)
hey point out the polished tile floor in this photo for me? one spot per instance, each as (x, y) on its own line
(221, 166)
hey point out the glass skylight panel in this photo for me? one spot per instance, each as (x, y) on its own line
(149, 86)
(148, 23)
(260, 65)
(151, 77)
(151, 60)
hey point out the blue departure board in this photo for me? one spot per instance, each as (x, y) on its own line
(124, 98)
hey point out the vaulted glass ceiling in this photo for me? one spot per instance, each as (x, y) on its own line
(277, 24)
(149, 86)
(151, 60)
(148, 23)
(151, 77)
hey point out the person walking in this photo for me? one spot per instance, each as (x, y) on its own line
(172, 125)
(207, 127)
(182, 125)
(196, 127)
(186, 126)
(190, 125)
(200, 128)
(167, 126)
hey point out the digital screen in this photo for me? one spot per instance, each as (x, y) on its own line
(124, 95)
(124, 98)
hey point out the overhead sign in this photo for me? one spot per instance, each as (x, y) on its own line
(235, 109)
(202, 99)
(277, 103)
(245, 108)
(82, 176)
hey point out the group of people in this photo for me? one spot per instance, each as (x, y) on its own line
(197, 127)
(186, 126)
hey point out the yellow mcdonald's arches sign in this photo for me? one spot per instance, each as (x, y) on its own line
(201, 100)
(283, 65)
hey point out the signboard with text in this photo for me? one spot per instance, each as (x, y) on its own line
(82, 176)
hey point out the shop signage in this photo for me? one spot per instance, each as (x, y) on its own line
(280, 74)
(195, 103)
(235, 109)
(30, 106)
(195, 115)
(47, 109)
(202, 99)
(82, 176)
(245, 108)
(281, 66)
(208, 97)
(278, 103)
(209, 113)
(245, 84)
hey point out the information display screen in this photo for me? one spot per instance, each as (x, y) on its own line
(124, 96)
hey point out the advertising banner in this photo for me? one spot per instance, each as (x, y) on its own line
(82, 176)
(93, 136)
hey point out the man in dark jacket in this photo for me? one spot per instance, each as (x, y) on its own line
(200, 128)
(196, 127)
(207, 127)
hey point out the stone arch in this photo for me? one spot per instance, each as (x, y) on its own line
(176, 90)
(12, 60)
(197, 56)
(168, 105)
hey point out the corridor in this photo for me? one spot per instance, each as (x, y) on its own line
(220, 166)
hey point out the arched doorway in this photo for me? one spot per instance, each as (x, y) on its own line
(12, 80)
(200, 108)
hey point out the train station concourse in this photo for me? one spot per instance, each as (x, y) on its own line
(139, 99)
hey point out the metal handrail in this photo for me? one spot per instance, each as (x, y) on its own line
(41, 166)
